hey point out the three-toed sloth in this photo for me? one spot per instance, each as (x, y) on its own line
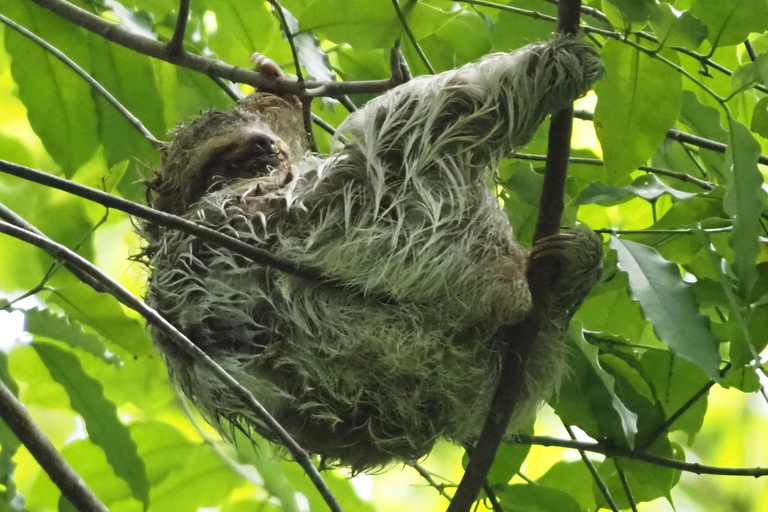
(403, 353)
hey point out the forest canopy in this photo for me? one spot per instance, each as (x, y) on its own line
(665, 403)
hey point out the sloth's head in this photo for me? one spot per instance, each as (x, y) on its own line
(218, 148)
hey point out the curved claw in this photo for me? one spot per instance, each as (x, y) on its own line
(266, 66)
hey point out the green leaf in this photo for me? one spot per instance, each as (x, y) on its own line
(571, 477)
(588, 399)
(102, 313)
(648, 482)
(507, 462)
(675, 29)
(86, 396)
(243, 28)
(368, 25)
(535, 498)
(676, 381)
(89, 462)
(45, 324)
(759, 123)
(754, 72)
(116, 68)
(729, 22)
(204, 481)
(610, 309)
(59, 104)
(638, 102)
(668, 303)
(743, 203)
(647, 187)
(509, 34)
(633, 10)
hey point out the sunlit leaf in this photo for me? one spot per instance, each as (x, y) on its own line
(638, 101)
(668, 304)
(730, 21)
(743, 203)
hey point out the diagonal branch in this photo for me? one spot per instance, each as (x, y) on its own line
(541, 271)
(161, 324)
(169, 221)
(71, 485)
(411, 37)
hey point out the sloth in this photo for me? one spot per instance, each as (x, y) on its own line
(402, 350)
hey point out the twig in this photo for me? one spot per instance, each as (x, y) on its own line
(426, 475)
(71, 485)
(161, 324)
(411, 37)
(595, 475)
(750, 50)
(682, 231)
(306, 101)
(513, 369)
(625, 485)
(609, 451)
(211, 67)
(176, 44)
(132, 120)
(706, 185)
(491, 495)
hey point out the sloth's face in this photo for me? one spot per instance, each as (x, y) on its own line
(212, 152)
(249, 152)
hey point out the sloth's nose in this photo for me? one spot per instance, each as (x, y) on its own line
(261, 142)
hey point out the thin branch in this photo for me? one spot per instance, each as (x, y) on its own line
(595, 475)
(71, 485)
(126, 298)
(411, 37)
(587, 11)
(176, 44)
(706, 185)
(306, 101)
(426, 475)
(255, 254)
(684, 137)
(750, 50)
(211, 67)
(610, 451)
(491, 495)
(625, 485)
(132, 120)
(513, 371)
(683, 231)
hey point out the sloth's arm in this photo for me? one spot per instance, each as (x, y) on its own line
(467, 119)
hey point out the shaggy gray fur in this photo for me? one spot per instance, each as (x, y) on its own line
(405, 210)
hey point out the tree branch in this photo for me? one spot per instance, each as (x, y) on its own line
(133, 120)
(595, 475)
(706, 185)
(541, 271)
(176, 44)
(594, 447)
(126, 298)
(71, 485)
(211, 67)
